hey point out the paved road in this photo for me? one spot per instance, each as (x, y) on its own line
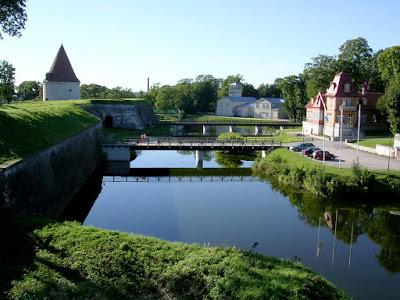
(369, 160)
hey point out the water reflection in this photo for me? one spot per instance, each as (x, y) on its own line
(355, 246)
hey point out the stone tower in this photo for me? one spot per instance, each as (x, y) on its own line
(61, 82)
(235, 89)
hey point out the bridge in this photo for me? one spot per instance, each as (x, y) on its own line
(120, 150)
(234, 123)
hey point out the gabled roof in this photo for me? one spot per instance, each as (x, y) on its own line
(275, 102)
(337, 87)
(61, 69)
(317, 101)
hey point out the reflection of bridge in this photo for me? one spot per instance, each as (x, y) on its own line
(179, 175)
(161, 179)
(120, 151)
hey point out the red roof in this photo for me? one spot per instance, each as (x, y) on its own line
(61, 69)
(337, 87)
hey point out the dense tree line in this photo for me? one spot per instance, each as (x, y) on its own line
(96, 91)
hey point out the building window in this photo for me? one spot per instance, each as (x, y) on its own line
(363, 118)
(350, 119)
(347, 102)
(70, 90)
(347, 88)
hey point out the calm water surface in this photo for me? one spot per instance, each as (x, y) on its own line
(357, 248)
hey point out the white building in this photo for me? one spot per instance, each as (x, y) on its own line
(249, 107)
(61, 82)
(227, 105)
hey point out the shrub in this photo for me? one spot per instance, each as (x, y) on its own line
(234, 136)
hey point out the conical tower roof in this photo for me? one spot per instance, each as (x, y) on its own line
(61, 69)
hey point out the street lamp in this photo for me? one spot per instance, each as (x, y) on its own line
(341, 135)
(360, 101)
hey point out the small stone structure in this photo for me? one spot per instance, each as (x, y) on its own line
(61, 82)
(129, 116)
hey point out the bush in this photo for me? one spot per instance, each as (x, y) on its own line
(230, 136)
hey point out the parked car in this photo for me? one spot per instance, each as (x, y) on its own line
(301, 147)
(309, 151)
(319, 155)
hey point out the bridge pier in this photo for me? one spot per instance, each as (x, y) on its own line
(231, 128)
(206, 130)
(257, 130)
(199, 159)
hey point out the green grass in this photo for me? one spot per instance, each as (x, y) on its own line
(28, 127)
(297, 160)
(372, 142)
(70, 261)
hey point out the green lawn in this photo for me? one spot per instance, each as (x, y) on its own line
(53, 260)
(28, 127)
(372, 142)
(296, 159)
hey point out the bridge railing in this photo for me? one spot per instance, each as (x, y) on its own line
(196, 141)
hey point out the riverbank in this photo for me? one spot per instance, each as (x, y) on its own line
(67, 260)
(28, 127)
(294, 170)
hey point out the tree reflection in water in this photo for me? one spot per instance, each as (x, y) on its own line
(380, 222)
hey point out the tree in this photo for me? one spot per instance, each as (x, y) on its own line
(224, 90)
(93, 91)
(392, 99)
(205, 93)
(356, 57)
(293, 90)
(28, 90)
(319, 73)
(388, 62)
(7, 73)
(250, 91)
(119, 92)
(269, 90)
(165, 98)
(12, 17)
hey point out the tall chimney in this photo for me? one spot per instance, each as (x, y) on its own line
(148, 84)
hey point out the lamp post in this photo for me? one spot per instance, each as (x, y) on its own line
(359, 126)
(341, 135)
(390, 148)
(323, 135)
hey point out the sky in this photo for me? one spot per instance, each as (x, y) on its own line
(122, 42)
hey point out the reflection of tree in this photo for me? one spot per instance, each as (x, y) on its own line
(228, 160)
(353, 220)
(384, 229)
(207, 154)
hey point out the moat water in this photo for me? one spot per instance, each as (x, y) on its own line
(357, 247)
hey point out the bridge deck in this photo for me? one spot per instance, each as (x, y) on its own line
(194, 144)
(233, 123)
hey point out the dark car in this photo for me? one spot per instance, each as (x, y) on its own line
(301, 147)
(309, 151)
(319, 155)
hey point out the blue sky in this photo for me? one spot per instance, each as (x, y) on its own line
(122, 42)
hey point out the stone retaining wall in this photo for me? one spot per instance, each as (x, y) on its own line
(129, 116)
(45, 182)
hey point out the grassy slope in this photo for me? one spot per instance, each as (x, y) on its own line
(69, 261)
(296, 159)
(31, 126)
(374, 141)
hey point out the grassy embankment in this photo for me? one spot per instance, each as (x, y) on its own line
(42, 259)
(290, 168)
(372, 142)
(30, 126)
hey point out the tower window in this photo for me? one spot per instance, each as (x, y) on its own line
(347, 88)
(70, 90)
